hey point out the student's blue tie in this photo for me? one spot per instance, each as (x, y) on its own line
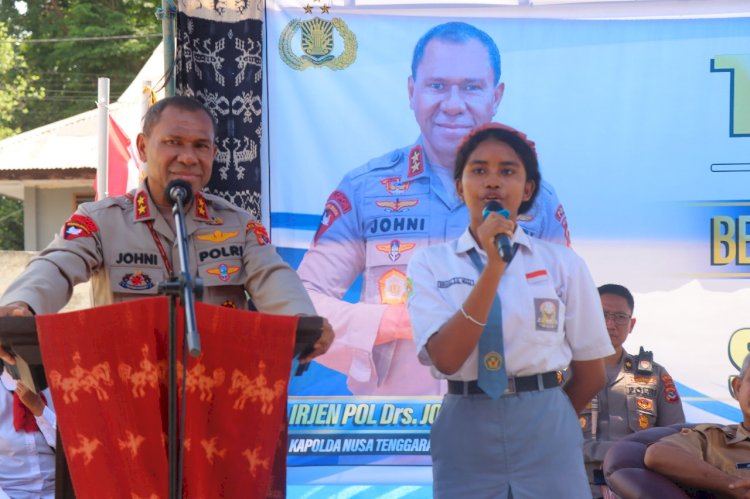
(492, 378)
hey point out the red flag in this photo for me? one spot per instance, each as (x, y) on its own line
(118, 161)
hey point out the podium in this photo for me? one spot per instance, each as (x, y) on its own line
(244, 381)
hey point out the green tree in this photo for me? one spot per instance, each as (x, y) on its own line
(18, 87)
(11, 224)
(52, 33)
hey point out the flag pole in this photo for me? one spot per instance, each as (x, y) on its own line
(103, 136)
(167, 14)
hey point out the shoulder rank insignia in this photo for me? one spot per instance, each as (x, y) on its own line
(201, 209)
(317, 44)
(141, 206)
(416, 161)
(628, 364)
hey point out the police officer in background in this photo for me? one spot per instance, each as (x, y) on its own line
(639, 393)
(384, 210)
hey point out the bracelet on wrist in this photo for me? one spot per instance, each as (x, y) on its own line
(470, 318)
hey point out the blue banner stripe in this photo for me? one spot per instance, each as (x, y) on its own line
(286, 220)
(358, 491)
(712, 406)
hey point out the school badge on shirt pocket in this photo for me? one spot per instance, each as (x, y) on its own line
(547, 311)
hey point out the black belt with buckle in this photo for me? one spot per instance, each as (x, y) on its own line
(542, 381)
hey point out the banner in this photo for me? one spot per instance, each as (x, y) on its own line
(641, 127)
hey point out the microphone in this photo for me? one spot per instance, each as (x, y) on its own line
(178, 190)
(502, 241)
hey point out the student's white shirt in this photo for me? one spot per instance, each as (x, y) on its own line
(551, 309)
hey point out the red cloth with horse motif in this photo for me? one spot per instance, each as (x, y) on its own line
(107, 370)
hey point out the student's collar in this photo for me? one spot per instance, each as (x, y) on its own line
(467, 241)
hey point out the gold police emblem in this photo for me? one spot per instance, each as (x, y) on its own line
(317, 43)
(493, 361)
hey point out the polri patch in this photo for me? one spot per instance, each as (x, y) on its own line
(79, 226)
(260, 232)
(547, 311)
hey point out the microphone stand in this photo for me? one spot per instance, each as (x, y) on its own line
(186, 288)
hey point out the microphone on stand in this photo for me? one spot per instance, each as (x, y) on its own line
(179, 190)
(502, 241)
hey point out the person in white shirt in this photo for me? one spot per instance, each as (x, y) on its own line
(28, 429)
(526, 443)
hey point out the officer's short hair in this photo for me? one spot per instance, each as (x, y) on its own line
(153, 115)
(618, 290)
(457, 32)
(745, 366)
(518, 141)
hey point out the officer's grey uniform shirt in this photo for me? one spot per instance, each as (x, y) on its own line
(109, 242)
(630, 402)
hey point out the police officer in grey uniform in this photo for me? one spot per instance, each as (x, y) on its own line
(126, 245)
(639, 394)
(383, 211)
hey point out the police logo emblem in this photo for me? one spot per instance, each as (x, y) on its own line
(392, 287)
(224, 271)
(643, 421)
(493, 361)
(137, 281)
(395, 248)
(644, 404)
(317, 40)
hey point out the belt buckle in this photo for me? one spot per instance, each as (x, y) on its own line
(511, 389)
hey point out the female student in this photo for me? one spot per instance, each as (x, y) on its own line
(521, 440)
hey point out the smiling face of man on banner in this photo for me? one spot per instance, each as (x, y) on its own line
(455, 88)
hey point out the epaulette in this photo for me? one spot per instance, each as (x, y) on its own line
(644, 362)
(388, 160)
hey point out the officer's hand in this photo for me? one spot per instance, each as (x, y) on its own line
(395, 325)
(741, 488)
(16, 309)
(323, 344)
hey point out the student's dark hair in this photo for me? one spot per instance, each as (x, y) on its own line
(618, 290)
(518, 141)
(153, 115)
(457, 32)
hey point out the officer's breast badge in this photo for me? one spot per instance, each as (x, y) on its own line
(318, 40)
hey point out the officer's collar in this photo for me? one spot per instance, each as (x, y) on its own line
(145, 209)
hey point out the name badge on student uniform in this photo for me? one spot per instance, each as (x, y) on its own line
(743, 466)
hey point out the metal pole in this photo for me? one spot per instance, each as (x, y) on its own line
(102, 104)
(168, 13)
